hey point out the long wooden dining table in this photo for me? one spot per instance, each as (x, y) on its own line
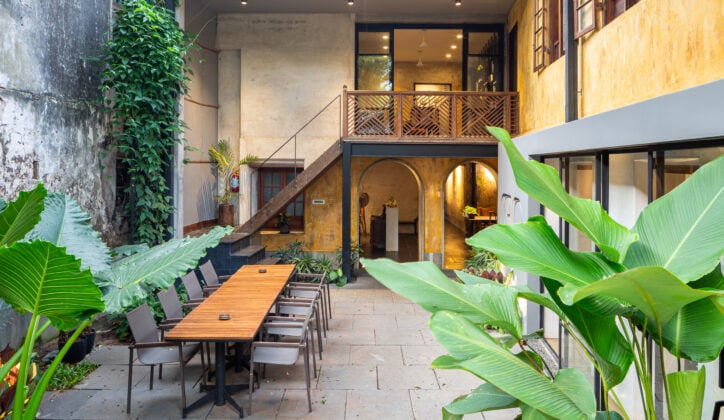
(245, 299)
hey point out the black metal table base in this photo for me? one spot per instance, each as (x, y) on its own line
(220, 392)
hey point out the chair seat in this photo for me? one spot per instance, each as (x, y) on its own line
(157, 355)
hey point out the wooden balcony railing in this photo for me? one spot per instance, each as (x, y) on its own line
(427, 115)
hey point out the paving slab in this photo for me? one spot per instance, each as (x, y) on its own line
(379, 404)
(421, 354)
(406, 377)
(428, 404)
(457, 379)
(383, 308)
(388, 336)
(342, 377)
(375, 355)
(326, 405)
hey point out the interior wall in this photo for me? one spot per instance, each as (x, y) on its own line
(290, 67)
(455, 197)
(407, 74)
(200, 115)
(390, 179)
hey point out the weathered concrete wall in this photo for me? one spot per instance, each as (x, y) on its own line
(48, 110)
(200, 109)
(652, 49)
(290, 67)
(50, 123)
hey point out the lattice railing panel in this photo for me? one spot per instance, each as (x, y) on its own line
(437, 115)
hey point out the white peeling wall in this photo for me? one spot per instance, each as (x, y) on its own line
(290, 67)
(51, 125)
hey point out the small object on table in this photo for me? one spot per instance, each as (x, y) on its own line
(224, 317)
(262, 270)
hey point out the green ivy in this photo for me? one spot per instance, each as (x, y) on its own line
(144, 77)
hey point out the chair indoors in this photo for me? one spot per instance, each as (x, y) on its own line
(283, 352)
(152, 351)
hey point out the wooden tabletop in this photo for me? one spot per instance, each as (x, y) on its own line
(246, 296)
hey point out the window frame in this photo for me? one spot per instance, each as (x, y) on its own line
(583, 6)
(609, 6)
(296, 221)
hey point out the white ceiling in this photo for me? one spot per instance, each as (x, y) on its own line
(435, 10)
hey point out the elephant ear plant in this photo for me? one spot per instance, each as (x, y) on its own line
(660, 280)
(55, 266)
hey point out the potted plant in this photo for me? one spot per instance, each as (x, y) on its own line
(283, 222)
(470, 212)
(227, 167)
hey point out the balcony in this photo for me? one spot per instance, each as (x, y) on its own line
(427, 116)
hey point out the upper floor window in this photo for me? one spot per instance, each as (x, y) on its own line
(585, 17)
(548, 45)
(614, 8)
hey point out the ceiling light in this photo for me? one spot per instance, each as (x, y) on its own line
(419, 59)
(454, 47)
(350, 2)
(459, 36)
(244, 2)
(448, 55)
(458, 2)
(423, 44)
(385, 47)
(385, 37)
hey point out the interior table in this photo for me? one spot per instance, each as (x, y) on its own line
(245, 298)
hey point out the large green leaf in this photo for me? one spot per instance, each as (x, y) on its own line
(543, 184)
(655, 291)
(472, 349)
(683, 230)
(64, 223)
(424, 283)
(686, 393)
(20, 215)
(535, 248)
(602, 335)
(696, 332)
(483, 398)
(140, 274)
(41, 278)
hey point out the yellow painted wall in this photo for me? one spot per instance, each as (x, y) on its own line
(654, 48)
(323, 223)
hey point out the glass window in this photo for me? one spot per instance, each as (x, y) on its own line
(374, 62)
(585, 17)
(272, 181)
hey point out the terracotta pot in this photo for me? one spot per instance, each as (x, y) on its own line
(226, 215)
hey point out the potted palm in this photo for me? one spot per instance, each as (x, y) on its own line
(227, 167)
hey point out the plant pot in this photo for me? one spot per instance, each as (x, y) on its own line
(76, 352)
(284, 229)
(226, 215)
(90, 341)
(471, 216)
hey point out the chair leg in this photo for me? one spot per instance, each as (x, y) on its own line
(150, 385)
(329, 301)
(251, 379)
(314, 357)
(130, 381)
(306, 374)
(160, 367)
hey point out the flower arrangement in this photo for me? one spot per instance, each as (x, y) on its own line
(391, 202)
(470, 211)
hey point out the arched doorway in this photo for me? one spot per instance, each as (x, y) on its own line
(473, 184)
(381, 183)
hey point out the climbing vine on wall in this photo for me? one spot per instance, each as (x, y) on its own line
(145, 74)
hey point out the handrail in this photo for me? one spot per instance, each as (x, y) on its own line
(294, 136)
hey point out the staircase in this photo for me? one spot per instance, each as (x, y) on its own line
(244, 246)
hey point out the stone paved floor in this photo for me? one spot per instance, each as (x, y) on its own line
(376, 365)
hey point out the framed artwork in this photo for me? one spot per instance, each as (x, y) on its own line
(433, 87)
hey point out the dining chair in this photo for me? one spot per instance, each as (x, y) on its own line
(314, 291)
(311, 278)
(300, 308)
(193, 287)
(211, 279)
(152, 351)
(173, 310)
(284, 352)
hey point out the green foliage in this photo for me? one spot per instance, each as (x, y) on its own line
(67, 375)
(307, 263)
(41, 275)
(485, 264)
(469, 210)
(144, 78)
(660, 280)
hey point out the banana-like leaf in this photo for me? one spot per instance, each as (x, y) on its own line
(65, 224)
(41, 278)
(608, 346)
(140, 274)
(424, 284)
(686, 391)
(541, 182)
(483, 398)
(3, 204)
(569, 396)
(683, 230)
(21, 214)
(696, 332)
(535, 248)
(608, 415)
(655, 291)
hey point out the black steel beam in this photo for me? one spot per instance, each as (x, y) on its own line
(421, 150)
(346, 209)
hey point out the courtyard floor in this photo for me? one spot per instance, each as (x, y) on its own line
(376, 365)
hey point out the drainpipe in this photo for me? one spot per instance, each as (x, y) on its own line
(571, 61)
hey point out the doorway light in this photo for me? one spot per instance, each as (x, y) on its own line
(244, 2)
(350, 2)
(458, 2)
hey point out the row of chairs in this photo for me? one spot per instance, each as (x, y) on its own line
(304, 308)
